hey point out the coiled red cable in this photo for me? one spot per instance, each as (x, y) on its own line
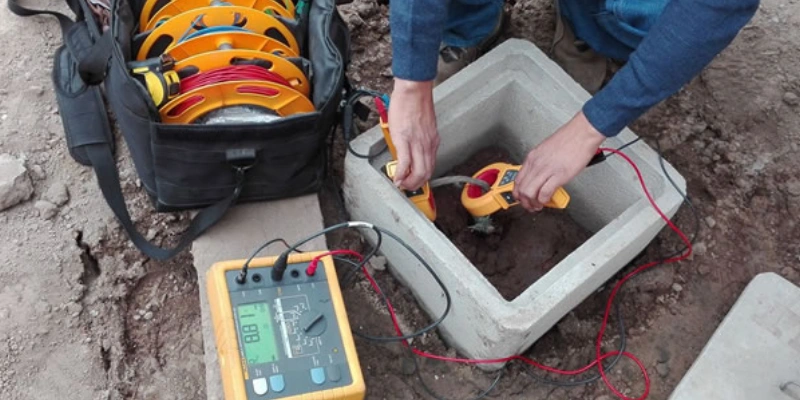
(229, 74)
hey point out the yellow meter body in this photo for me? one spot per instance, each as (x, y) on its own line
(287, 339)
(501, 178)
(422, 198)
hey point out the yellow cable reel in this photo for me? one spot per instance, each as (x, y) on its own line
(170, 34)
(224, 58)
(188, 107)
(229, 41)
(152, 8)
(177, 7)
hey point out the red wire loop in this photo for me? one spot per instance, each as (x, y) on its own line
(232, 73)
(312, 266)
(600, 356)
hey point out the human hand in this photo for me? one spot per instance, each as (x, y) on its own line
(556, 161)
(412, 125)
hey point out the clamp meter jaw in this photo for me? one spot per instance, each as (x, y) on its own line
(501, 177)
(422, 197)
(287, 339)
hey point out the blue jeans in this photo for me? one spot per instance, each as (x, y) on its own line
(612, 28)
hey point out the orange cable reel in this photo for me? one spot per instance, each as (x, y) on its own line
(152, 14)
(229, 41)
(241, 20)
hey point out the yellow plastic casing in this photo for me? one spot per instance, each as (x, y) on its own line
(500, 196)
(161, 86)
(191, 105)
(227, 41)
(150, 17)
(256, 22)
(231, 362)
(224, 58)
(422, 198)
(387, 137)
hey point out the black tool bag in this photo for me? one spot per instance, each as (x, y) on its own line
(207, 167)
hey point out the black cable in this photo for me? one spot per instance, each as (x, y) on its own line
(686, 200)
(280, 267)
(347, 122)
(432, 393)
(413, 356)
(436, 396)
(242, 277)
(432, 326)
(631, 143)
(622, 346)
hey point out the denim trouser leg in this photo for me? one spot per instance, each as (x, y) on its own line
(613, 28)
(471, 21)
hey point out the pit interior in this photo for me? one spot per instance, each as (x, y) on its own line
(516, 107)
(521, 246)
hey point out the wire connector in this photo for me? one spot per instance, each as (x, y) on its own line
(242, 277)
(279, 268)
(360, 224)
(598, 157)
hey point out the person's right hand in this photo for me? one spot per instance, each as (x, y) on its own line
(412, 125)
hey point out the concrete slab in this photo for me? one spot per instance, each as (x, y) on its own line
(243, 230)
(514, 96)
(755, 352)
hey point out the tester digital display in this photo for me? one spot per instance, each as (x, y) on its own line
(288, 339)
(255, 327)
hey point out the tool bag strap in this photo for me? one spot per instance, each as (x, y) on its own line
(105, 168)
(88, 131)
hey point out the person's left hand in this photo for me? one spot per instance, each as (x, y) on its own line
(556, 161)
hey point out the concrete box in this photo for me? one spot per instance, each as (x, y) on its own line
(514, 96)
(755, 352)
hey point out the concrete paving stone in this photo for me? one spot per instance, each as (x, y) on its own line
(755, 352)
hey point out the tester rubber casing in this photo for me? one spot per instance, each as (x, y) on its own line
(289, 339)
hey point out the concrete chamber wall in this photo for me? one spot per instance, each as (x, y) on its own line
(513, 97)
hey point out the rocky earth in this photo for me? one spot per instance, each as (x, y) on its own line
(83, 315)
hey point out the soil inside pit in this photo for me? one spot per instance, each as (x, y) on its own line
(523, 246)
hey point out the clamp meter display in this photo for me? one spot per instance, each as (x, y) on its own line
(287, 339)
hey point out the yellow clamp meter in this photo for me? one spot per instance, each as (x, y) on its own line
(159, 77)
(422, 198)
(501, 178)
(287, 339)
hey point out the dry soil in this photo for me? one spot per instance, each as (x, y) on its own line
(84, 316)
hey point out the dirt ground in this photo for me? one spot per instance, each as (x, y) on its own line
(84, 316)
(520, 248)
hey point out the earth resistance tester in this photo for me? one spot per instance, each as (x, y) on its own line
(288, 339)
